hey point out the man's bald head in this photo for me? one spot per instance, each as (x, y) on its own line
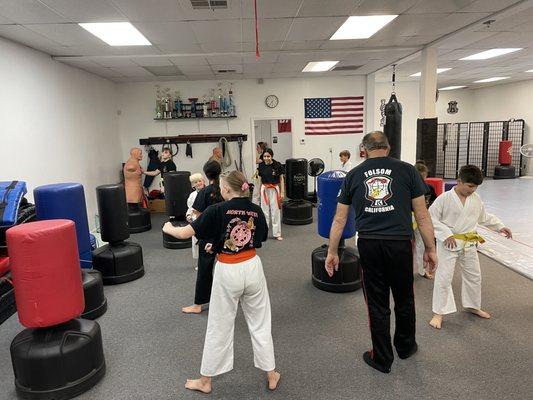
(375, 140)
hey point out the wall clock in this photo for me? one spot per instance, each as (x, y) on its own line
(272, 101)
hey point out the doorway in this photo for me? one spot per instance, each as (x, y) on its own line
(277, 133)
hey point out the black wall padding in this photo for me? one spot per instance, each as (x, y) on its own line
(177, 191)
(393, 126)
(426, 143)
(296, 178)
(113, 212)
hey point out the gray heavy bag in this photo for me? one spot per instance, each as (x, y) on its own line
(393, 126)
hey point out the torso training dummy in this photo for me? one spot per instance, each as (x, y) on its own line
(132, 177)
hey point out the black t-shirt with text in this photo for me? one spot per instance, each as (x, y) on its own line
(167, 166)
(380, 190)
(270, 173)
(232, 226)
(205, 198)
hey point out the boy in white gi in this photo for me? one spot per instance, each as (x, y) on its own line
(197, 183)
(346, 164)
(233, 229)
(455, 216)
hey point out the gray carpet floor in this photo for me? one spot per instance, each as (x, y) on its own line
(319, 337)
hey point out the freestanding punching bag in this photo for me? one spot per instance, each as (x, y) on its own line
(177, 191)
(118, 261)
(60, 355)
(505, 170)
(67, 201)
(297, 210)
(348, 277)
(393, 126)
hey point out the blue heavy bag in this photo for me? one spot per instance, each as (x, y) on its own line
(328, 187)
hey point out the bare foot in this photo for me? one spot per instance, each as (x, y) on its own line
(427, 275)
(194, 309)
(273, 378)
(436, 321)
(479, 313)
(201, 385)
(279, 238)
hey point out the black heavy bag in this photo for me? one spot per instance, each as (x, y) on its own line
(393, 126)
(296, 178)
(177, 191)
(113, 212)
(153, 164)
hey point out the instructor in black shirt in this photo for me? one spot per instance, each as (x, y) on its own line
(384, 192)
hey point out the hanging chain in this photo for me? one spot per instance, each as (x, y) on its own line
(393, 78)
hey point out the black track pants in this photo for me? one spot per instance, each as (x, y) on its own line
(204, 276)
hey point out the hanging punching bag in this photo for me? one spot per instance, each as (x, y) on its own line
(393, 126)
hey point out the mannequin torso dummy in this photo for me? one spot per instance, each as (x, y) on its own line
(132, 177)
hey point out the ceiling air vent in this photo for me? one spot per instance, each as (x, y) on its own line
(225, 71)
(170, 70)
(209, 4)
(347, 68)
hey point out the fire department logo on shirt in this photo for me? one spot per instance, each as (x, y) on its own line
(378, 190)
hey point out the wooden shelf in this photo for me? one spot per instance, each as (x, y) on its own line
(190, 119)
(199, 138)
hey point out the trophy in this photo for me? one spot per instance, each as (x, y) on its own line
(219, 102)
(213, 104)
(204, 107)
(193, 101)
(158, 114)
(177, 104)
(231, 100)
(167, 108)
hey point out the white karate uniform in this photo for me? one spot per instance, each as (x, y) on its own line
(419, 252)
(190, 213)
(233, 283)
(347, 166)
(269, 205)
(450, 217)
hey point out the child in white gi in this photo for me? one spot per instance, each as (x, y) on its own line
(346, 164)
(235, 228)
(197, 183)
(455, 215)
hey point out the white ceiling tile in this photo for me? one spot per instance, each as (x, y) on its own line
(439, 6)
(105, 72)
(271, 8)
(150, 11)
(86, 11)
(222, 31)
(314, 28)
(151, 61)
(189, 60)
(387, 7)
(227, 47)
(176, 35)
(135, 71)
(115, 62)
(258, 68)
(205, 77)
(195, 70)
(29, 12)
(267, 57)
(27, 37)
(225, 59)
(307, 45)
(295, 66)
(270, 30)
(488, 5)
(266, 46)
(317, 8)
(5, 21)
(83, 63)
(66, 34)
(236, 67)
(180, 47)
(232, 12)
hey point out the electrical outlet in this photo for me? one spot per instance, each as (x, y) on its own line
(331, 149)
(302, 141)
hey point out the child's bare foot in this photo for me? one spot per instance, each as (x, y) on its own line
(194, 309)
(427, 275)
(273, 379)
(201, 385)
(279, 238)
(436, 321)
(479, 313)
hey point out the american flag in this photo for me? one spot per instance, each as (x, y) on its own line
(334, 115)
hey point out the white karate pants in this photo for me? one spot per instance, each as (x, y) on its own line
(233, 283)
(443, 300)
(271, 208)
(419, 253)
(256, 194)
(194, 248)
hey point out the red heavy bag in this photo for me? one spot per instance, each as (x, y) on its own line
(45, 267)
(505, 152)
(4, 265)
(437, 183)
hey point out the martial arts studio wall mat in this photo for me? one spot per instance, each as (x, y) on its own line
(348, 277)
(59, 356)
(426, 143)
(177, 190)
(505, 170)
(66, 201)
(118, 261)
(139, 219)
(297, 210)
(393, 126)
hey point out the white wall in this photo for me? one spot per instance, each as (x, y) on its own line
(283, 148)
(137, 100)
(57, 123)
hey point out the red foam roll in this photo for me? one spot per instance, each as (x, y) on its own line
(437, 183)
(4, 265)
(505, 152)
(45, 267)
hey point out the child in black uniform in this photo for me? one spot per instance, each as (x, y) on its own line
(235, 228)
(204, 278)
(272, 190)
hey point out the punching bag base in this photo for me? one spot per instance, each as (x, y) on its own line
(93, 292)
(138, 219)
(59, 362)
(119, 262)
(170, 242)
(346, 279)
(504, 172)
(297, 212)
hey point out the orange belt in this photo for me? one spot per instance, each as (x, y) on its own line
(237, 257)
(265, 186)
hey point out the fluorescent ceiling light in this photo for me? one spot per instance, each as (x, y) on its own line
(117, 33)
(493, 79)
(319, 66)
(439, 70)
(529, 70)
(452, 87)
(361, 27)
(490, 54)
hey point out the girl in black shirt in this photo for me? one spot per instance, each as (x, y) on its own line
(272, 190)
(234, 228)
(204, 277)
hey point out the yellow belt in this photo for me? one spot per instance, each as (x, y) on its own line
(470, 237)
